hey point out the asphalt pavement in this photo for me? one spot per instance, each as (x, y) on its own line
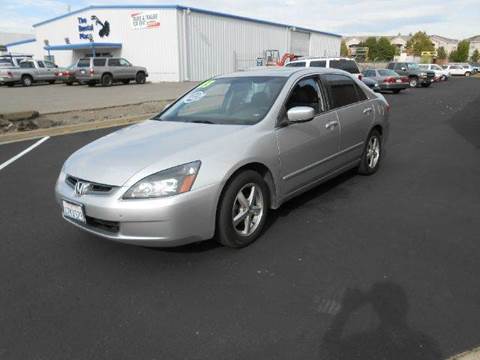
(46, 98)
(379, 267)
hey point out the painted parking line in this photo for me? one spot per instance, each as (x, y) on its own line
(27, 150)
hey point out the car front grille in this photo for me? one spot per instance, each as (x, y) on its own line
(94, 187)
(108, 226)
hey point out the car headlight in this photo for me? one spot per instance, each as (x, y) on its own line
(423, 74)
(173, 181)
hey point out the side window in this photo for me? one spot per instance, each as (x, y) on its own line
(369, 73)
(99, 62)
(296, 64)
(345, 65)
(27, 65)
(318, 63)
(306, 93)
(40, 64)
(113, 62)
(342, 90)
(50, 65)
(361, 94)
(124, 62)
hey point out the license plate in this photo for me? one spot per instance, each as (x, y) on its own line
(74, 212)
(399, 80)
(82, 71)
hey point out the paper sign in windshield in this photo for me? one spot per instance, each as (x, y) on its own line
(195, 96)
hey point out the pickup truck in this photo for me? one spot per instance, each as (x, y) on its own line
(28, 72)
(416, 76)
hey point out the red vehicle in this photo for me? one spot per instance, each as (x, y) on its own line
(67, 75)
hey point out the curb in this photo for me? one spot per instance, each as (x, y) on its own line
(473, 354)
(71, 129)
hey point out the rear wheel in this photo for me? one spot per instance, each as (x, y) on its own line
(140, 78)
(27, 80)
(372, 154)
(467, 74)
(242, 210)
(413, 82)
(107, 80)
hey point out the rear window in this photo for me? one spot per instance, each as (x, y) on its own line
(113, 62)
(296, 64)
(343, 90)
(83, 63)
(387, 73)
(99, 62)
(346, 65)
(318, 63)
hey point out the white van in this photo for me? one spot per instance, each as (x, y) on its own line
(346, 64)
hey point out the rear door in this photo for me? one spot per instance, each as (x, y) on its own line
(116, 69)
(305, 149)
(355, 112)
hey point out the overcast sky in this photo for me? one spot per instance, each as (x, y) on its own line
(455, 19)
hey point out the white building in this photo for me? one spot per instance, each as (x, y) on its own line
(175, 43)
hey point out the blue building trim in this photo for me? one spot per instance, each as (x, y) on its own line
(88, 45)
(26, 41)
(179, 7)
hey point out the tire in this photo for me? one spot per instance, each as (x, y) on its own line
(369, 165)
(51, 82)
(140, 78)
(230, 205)
(426, 85)
(126, 82)
(396, 91)
(413, 82)
(468, 73)
(91, 84)
(27, 80)
(107, 80)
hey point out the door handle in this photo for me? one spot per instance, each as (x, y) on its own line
(331, 124)
(367, 110)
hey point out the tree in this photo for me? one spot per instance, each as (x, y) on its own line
(419, 42)
(371, 43)
(461, 54)
(475, 56)
(343, 48)
(385, 50)
(441, 53)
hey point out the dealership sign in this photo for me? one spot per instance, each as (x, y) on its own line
(145, 20)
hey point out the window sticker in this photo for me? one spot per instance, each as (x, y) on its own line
(195, 96)
(206, 84)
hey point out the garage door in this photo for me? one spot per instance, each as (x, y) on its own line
(300, 43)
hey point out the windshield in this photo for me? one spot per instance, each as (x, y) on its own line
(387, 73)
(412, 66)
(235, 101)
(83, 63)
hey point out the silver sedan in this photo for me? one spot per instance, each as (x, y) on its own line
(217, 160)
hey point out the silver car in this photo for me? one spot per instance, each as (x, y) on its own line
(215, 162)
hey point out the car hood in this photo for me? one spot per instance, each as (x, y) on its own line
(115, 158)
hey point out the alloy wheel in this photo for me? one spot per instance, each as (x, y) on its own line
(373, 152)
(248, 209)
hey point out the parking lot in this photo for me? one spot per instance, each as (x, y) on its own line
(408, 235)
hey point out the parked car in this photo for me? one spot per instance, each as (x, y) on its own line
(108, 70)
(458, 70)
(440, 73)
(164, 182)
(346, 64)
(67, 75)
(388, 80)
(416, 76)
(29, 72)
(372, 84)
(475, 67)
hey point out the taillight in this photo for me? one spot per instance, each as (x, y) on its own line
(389, 80)
(92, 71)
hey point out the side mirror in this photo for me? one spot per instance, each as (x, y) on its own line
(300, 114)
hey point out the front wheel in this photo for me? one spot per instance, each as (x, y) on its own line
(140, 78)
(372, 154)
(413, 82)
(242, 210)
(467, 74)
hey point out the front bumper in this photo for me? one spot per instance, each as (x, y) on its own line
(394, 86)
(170, 221)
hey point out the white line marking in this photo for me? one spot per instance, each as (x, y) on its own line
(18, 156)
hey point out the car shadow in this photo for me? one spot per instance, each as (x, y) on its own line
(393, 338)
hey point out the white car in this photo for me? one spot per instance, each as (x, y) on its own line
(459, 70)
(440, 73)
(341, 63)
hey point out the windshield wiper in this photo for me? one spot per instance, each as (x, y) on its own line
(202, 122)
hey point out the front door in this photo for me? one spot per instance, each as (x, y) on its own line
(305, 149)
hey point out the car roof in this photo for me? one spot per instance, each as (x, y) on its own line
(275, 71)
(320, 58)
